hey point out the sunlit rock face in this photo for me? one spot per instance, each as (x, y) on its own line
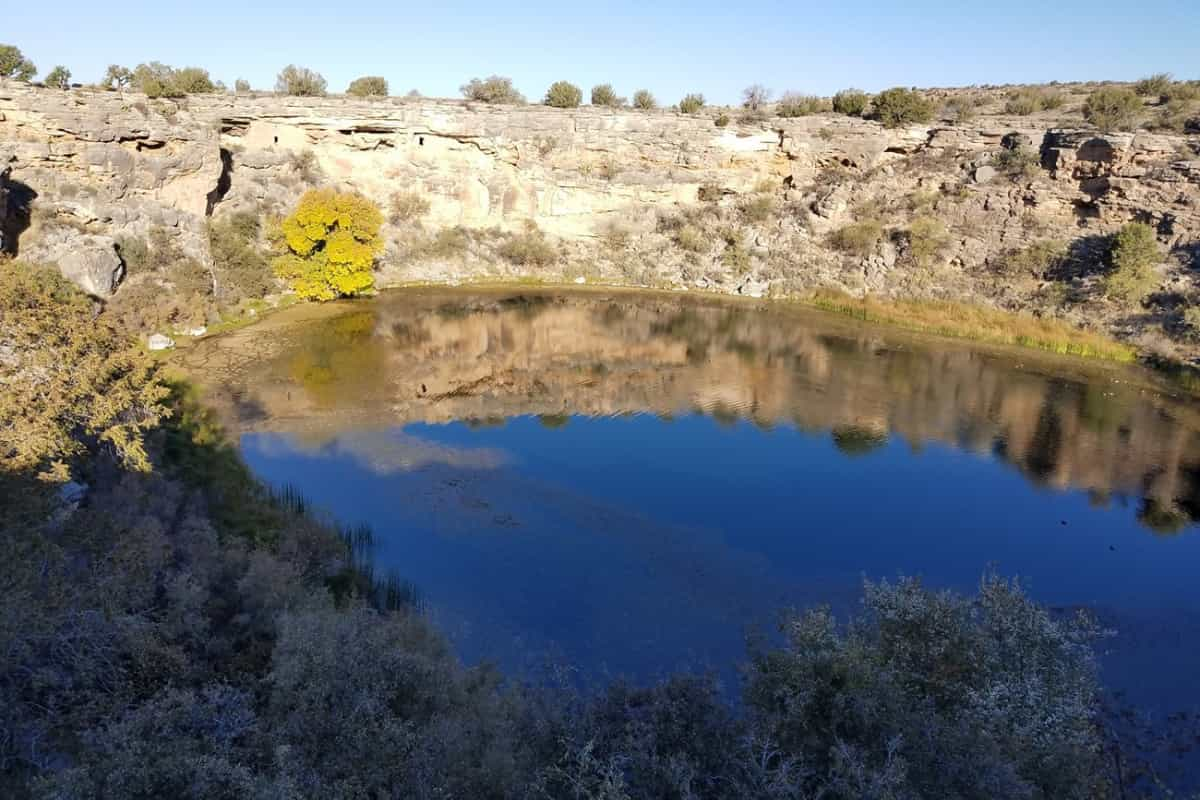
(107, 165)
(444, 356)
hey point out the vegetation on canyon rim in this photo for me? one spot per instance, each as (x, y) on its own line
(187, 633)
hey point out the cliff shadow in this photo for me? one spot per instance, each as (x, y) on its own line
(17, 199)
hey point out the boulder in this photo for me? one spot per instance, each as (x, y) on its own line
(93, 266)
(984, 174)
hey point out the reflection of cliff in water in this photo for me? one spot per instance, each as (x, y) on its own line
(440, 356)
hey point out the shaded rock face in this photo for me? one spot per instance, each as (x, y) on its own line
(110, 165)
(93, 265)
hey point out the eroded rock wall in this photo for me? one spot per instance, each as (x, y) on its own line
(101, 166)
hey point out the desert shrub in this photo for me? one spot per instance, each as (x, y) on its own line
(709, 192)
(926, 238)
(528, 249)
(241, 86)
(1023, 102)
(603, 95)
(447, 243)
(14, 64)
(58, 78)
(1052, 99)
(722, 120)
(1018, 162)
(330, 243)
(692, 239)
(1113, 108)
(368, 86)
(899, 106)
(858, 238)
(643, 100)
(758, 208)
(1180, 116)
(1134, 255)
(798, 105)
(406, 206)
(691, 103)
(304, 163)
(754, 97)
(1191, 318)
(241, 267)
(563, 94)
(72, 383)
(615, 237)
(117, 77)
(300, 82)
(1036, 260)
(933, 695)
(851, 102)
(962, 108)
(194, 80)
(495, 89)
(1154, 85)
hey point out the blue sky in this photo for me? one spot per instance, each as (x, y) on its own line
(672, 48)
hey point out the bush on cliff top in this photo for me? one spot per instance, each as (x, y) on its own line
(1113, 108)
(300, 82)
(898, 106)
(156, 79)
(603, 95)
(691, 103)
(644, 100)
(58, 78)
(851, 102)
(496, 89)
(14, 64)
(368, 86)
(330, 243)
(563, 94)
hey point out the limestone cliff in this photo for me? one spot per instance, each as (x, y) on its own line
(611, 189)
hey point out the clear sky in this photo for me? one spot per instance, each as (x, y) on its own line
(671, 48)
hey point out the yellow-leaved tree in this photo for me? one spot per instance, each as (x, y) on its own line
(330, 245)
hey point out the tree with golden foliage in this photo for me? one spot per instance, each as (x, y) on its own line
(330, 243)
(70, 382)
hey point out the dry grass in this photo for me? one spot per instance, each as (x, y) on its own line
(964, 321)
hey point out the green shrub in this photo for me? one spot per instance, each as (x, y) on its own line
(1052, 99)
(603, 95)
(1018, 163)
(1023, 102)
(851, 102)
(528, 249)
(754, 97)
(368, 86)
(692, 239)
(926, 239)
(58, 78)
(898, 106)
(721, 120)
(496, 89)
(300, 82)
(14, 64)
(1134, 255)
(1154, 85)
(643, 100)
(563, 94)
(1113, 108)
(241, 86)
(156, 79)
(961, 108)
(117, 77)
(798, 105)
(858, 238)
(757, 208)
(691, 103)
(406, 206)
(1191, 318)
(241, 268)
(1036, 260)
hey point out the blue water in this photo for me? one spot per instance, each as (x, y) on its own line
(630, 486)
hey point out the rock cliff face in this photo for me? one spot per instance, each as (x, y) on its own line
(610, 188)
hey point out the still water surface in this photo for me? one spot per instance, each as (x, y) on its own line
(630, 484)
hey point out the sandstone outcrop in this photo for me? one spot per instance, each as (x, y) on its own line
(109, 166)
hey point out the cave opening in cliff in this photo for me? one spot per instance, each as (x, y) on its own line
(224, 182)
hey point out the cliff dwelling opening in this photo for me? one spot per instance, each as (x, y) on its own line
(420, 141)
(276, 138)
(224, 181)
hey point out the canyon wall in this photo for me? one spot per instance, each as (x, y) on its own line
(88, 168)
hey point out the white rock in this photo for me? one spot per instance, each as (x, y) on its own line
(581, 279)
(984, 174)
(160, 341)
(200, 331)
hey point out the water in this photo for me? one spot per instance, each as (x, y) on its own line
(632, 485)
